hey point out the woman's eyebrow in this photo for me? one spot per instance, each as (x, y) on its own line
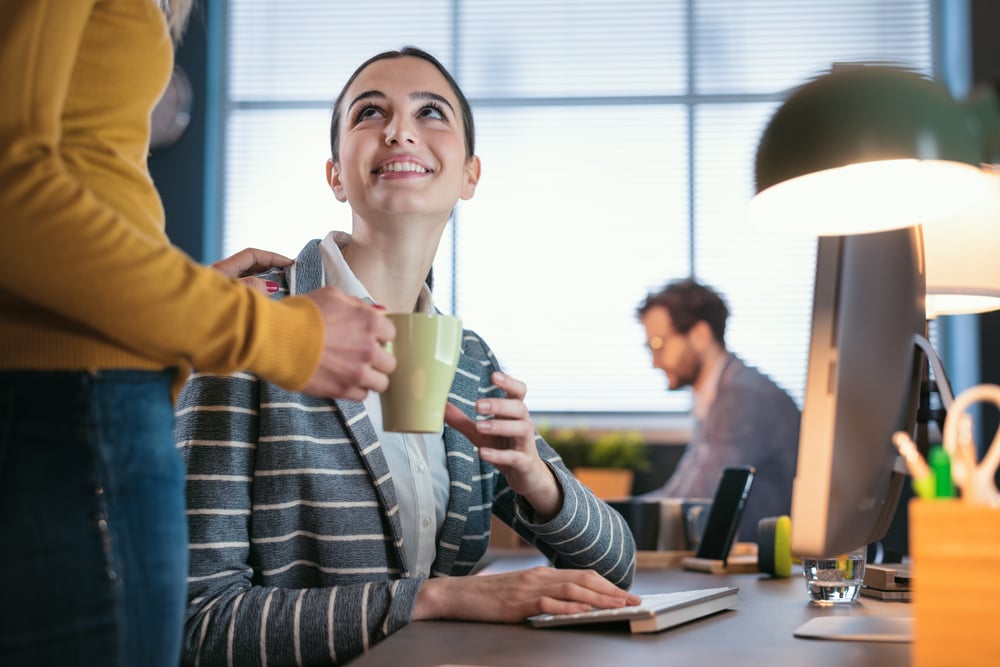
(426, 95)
(368, 94)
(416, 95)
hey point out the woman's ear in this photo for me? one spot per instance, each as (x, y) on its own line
(333, 178)
(472, 168)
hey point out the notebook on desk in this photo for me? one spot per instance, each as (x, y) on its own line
(655, 613)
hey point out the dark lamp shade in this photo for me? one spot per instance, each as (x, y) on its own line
(871, 147)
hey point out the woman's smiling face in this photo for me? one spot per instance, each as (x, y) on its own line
(402, 143)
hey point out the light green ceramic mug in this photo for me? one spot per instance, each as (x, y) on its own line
(426, 350)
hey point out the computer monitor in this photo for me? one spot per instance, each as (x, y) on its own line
(863, 384)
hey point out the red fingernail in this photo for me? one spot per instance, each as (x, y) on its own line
(272, 286)
(378, 306)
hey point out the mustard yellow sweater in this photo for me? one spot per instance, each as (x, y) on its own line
(90, 280)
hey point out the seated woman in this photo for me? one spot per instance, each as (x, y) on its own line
(315, 534)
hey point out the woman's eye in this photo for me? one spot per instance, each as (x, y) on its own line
(432, 111)
(365, 113)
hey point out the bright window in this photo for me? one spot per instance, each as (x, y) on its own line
(617, 139)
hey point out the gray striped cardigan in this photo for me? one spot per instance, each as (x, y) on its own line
(295, 542)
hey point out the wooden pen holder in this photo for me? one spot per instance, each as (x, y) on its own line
(955, 552)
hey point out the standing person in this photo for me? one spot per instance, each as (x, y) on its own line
(99, 320)
(741, 416)
(315, 533)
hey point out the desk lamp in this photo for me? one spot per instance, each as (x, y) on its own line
(873, 147)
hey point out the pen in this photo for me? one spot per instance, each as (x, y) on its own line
(940, 464)
(923, 478)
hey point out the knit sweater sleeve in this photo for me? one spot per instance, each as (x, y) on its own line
(586, 534)
(233, 617)
(83, 226)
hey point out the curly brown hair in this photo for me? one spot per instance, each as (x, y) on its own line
(688, 303)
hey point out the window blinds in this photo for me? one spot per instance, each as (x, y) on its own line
(617, 141)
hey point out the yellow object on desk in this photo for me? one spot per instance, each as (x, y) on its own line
(955, 551)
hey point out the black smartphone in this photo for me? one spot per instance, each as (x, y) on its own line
(725, 513)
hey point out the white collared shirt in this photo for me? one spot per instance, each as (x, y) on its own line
(417, 461)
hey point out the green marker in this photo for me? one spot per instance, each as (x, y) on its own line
(940, 464)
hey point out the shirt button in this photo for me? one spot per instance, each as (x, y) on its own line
(421, 467)
(426, 522)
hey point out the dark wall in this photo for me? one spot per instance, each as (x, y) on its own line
(179, 170)
(986, 70)
(985, 42)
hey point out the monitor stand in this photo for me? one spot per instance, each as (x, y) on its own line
(859, 628)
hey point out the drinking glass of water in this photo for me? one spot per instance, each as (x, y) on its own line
(837, 579)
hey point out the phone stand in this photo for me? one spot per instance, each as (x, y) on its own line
(735, 564)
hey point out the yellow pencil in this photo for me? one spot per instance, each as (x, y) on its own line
(923, 477)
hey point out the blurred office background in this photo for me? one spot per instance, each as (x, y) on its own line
(617, 140)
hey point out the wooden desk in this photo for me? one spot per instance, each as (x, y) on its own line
(757, 633)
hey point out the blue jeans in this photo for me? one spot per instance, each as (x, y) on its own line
(93, 536)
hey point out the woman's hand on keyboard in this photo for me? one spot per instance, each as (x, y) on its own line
(512, 597)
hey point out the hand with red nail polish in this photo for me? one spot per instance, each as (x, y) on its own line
(249, 261)
(354, 358)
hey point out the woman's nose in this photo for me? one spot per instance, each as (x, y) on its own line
(399, 131)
